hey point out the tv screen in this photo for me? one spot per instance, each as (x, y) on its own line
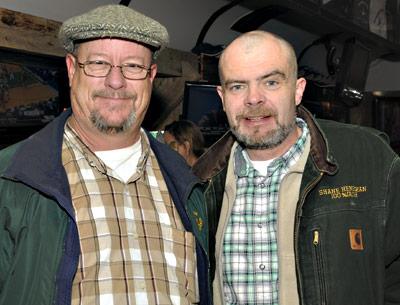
(202, 105)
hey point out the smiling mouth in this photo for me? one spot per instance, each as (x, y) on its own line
(258, 118)
(114, 98)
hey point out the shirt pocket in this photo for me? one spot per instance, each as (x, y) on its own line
(180, 257)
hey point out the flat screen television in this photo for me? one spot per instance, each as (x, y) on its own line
(202, 105)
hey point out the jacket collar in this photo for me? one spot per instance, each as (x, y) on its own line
(38, 163)
(217, 156)
(319, 150)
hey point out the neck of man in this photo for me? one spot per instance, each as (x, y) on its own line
(100, 141)
(191, 160)
(272, 153)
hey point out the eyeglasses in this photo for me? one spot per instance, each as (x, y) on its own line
(99, 68)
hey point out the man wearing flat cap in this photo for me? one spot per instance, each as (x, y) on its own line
(93, 210)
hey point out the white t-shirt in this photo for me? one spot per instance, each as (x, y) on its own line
(262, 166)
(122, 161)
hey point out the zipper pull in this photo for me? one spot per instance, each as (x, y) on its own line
(316, 238)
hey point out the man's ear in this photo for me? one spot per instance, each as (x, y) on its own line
(220, 91)
(153, 72)
(70, 61)
(300, 87)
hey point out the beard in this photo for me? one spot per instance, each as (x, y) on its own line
(267, 140)
(103, 126)
(101, 123)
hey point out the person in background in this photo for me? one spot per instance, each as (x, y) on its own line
(302, 211)
(93, 210)
(186, 138)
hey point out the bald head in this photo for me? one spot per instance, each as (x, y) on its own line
(259, 43)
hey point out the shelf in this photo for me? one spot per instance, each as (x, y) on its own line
(316, 19)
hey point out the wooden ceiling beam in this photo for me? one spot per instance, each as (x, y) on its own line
(27, 33)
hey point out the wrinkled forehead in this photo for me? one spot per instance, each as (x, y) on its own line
(253, 55)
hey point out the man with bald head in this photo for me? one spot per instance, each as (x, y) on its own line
(301, 211)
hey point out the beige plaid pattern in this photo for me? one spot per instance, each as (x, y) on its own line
(134, 249)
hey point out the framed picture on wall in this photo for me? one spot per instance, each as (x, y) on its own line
(33, 91)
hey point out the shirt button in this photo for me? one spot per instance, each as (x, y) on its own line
(259, 225)
(261, 266)
(262, 185)
(91, 163)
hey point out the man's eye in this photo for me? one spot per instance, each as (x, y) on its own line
(272, 84)
(235, 87)
(132, 65)
(133, 68)
(99, 63)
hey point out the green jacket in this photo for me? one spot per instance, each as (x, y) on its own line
(39, 243)
(349, 197)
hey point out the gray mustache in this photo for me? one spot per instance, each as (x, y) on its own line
(114, 94)
(256, 113)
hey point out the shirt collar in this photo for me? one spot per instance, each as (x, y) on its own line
(79, 146)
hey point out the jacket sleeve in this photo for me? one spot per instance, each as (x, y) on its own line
(6, 245)
(392, 237)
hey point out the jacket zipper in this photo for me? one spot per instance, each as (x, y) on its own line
(296, 233)
(320, 266)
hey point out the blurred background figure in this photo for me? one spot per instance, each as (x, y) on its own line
(186, 138)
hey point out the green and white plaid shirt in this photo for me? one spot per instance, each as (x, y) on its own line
(250, 242)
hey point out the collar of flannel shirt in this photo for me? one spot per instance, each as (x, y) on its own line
(93, 160)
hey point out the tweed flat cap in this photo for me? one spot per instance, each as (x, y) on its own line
(113, 21)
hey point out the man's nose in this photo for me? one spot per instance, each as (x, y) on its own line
(255, 95)
(115, 79)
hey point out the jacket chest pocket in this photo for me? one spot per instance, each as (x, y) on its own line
(341, 257)
(318, 264)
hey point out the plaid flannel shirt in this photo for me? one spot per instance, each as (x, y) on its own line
(250, 255)
(134, 249)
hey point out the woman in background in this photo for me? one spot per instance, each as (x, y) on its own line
(186, 138)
